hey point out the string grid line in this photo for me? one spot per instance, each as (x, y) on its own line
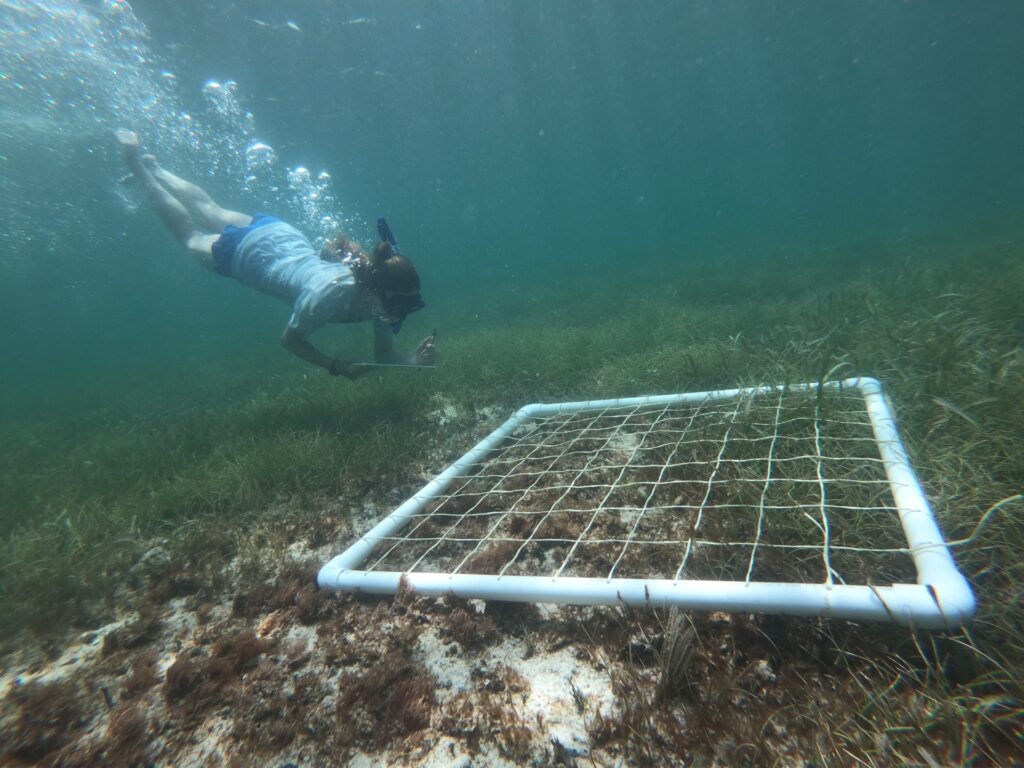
(785, 486)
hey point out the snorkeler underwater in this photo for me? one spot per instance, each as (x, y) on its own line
(720, 460)
(274, 258)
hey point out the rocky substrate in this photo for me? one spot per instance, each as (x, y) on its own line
(278, 673)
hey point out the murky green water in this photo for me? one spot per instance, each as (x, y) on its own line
(523, 151)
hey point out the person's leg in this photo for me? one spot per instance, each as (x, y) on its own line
(210, 217)
(173, 214)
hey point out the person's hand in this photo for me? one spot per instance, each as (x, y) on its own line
(426, 352)
(350, 371)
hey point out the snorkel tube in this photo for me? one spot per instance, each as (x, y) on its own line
(386, 234)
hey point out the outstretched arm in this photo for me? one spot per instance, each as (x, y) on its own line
(294, 342)
(383, 350)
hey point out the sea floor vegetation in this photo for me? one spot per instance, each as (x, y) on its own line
(157, 562)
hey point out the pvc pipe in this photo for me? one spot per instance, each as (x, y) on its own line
(539, 410)
(942, 597)
(906, 604)
(936, 569)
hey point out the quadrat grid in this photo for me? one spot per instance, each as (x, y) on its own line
(779, 486)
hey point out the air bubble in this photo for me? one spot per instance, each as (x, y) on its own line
(104, 74)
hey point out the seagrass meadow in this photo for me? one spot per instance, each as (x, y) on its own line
(218, 483)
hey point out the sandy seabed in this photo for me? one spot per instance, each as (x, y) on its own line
(278, 673)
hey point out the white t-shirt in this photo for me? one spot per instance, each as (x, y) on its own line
(278, 260)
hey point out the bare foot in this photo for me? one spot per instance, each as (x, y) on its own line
(127, 139)
(130, 144)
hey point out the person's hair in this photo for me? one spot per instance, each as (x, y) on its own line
(393, 272)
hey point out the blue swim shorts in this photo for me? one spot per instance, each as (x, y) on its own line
(224, 247)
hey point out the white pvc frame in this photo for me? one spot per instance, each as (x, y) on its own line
(941, 598)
